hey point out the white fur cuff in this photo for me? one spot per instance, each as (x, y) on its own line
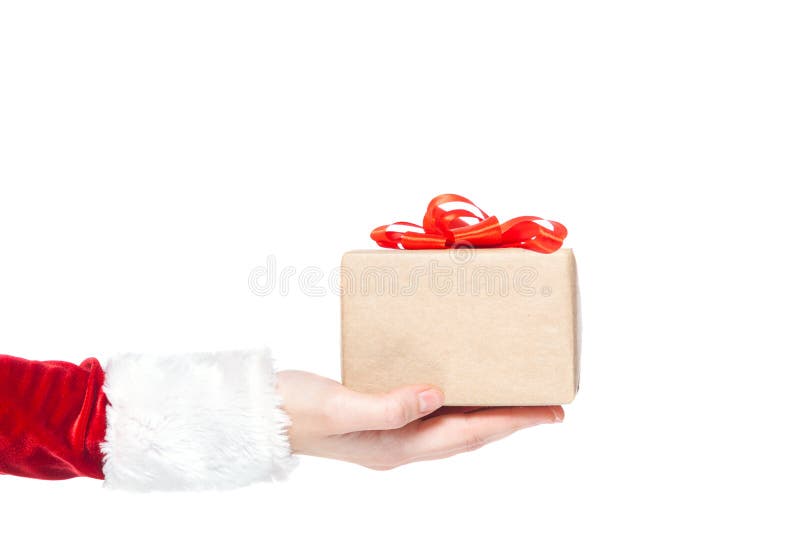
(194, 421)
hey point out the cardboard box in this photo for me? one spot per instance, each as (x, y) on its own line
(490, 327)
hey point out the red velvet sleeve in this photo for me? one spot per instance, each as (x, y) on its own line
(52, 418)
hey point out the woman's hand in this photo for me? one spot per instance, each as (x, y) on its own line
(396, 428)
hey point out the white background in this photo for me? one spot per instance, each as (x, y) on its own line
(153, 153)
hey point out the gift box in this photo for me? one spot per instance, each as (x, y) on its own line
(492, 318)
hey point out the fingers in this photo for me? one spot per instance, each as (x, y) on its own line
(453, 409)
(440, 437)
(362, 411)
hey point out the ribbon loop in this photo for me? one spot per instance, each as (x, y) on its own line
(452, 221)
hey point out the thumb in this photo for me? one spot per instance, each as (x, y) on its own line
(385, 411)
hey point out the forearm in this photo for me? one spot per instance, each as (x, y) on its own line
(191, 421)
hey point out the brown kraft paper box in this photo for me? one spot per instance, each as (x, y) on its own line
(490, 327)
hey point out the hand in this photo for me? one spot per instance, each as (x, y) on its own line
(396, 428)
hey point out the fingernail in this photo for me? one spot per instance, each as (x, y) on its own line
(429, 400)
(558, 413)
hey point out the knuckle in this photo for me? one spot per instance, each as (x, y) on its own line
(474, 442)
(394, 413)
(472, 439)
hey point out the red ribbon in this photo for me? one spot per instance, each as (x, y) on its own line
(450, 226)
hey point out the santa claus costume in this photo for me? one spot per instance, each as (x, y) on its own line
(146, 422)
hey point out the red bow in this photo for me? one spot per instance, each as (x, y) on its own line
(444, 226)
